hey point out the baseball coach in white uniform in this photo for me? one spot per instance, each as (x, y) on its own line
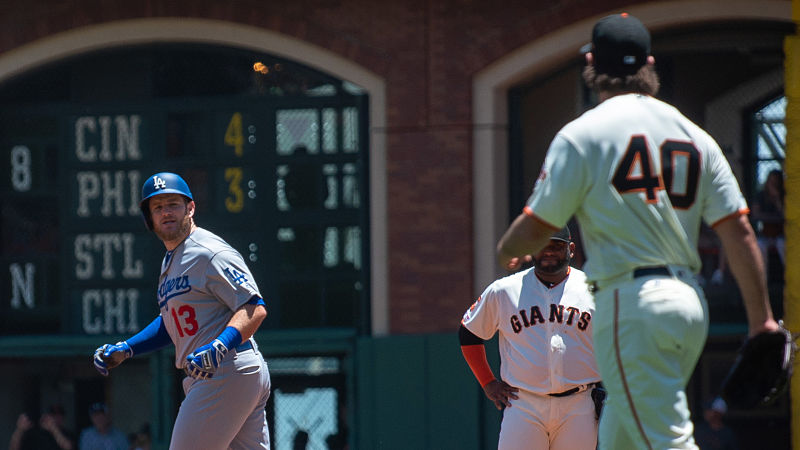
(543, 316)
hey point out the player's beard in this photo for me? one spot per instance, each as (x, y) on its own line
(178, 233)
(550, 268)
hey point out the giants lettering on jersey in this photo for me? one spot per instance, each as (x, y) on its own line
(172, 287)
(573, 316)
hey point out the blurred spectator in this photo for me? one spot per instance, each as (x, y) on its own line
(141, 439)
(712, 257)
(768, 215)
(45, 433)
(718, 277)
(713, 434)
(102, 435)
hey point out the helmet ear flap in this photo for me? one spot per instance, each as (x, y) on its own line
(148, 220)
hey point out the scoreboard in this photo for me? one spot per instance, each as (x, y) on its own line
(76, 257)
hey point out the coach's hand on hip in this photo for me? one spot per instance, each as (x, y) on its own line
(500, 393)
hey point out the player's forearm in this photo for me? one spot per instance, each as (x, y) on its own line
(515, 240)
(153, 337)
(527, 235)
(247, 319)
(475, 355)
(16, 439)
(62, 441)
(747, 267)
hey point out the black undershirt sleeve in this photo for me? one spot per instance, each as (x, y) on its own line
(465, 337)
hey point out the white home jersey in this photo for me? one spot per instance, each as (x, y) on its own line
(203, 282)
(545, 333)
(639, 177)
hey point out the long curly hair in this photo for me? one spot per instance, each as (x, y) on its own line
(644, 81)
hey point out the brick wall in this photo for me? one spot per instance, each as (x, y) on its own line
(428, 53)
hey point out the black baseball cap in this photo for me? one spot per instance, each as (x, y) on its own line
(620, 45)
(562, 235)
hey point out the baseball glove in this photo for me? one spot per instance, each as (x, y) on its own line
(598, 397)
(761, 371)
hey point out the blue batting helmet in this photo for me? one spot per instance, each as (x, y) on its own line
(158, 184)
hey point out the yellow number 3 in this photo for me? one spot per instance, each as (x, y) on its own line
(235, 201)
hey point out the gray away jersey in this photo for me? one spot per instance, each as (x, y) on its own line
(202, 283)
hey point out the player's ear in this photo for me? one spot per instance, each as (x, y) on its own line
(651, 60)
(571, 250)
(589, 58)
(190, 208)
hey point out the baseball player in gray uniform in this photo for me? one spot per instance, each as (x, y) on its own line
(640, 177)
(210, 307)
(544, 319)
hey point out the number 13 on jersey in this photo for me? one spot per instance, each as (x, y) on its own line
(679, 175)
(185, 320)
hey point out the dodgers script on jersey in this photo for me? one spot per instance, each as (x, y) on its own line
(639, 177)
(203, 281)
(527, 313)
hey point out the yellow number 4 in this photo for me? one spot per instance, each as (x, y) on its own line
(233, 135)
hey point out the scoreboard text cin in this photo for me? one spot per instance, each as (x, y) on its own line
(107, 272)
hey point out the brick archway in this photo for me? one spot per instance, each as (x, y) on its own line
(490, 108)
(215, 32)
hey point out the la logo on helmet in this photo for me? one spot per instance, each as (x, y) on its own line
(159, 183)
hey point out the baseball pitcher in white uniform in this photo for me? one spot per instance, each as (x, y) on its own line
(543, 316)
(210, 307)
(640, 177)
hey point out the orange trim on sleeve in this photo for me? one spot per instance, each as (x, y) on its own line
(529, 212)
(475, 355)
(738, 213)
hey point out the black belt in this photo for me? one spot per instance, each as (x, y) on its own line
(641, 272)
(566, 393)
(649, 271)
(572, 391)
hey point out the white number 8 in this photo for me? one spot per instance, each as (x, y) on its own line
(21, 168)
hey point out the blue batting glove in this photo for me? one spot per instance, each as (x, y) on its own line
(204, 361)
(109, 356)
(118, 347)
(99, 364)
